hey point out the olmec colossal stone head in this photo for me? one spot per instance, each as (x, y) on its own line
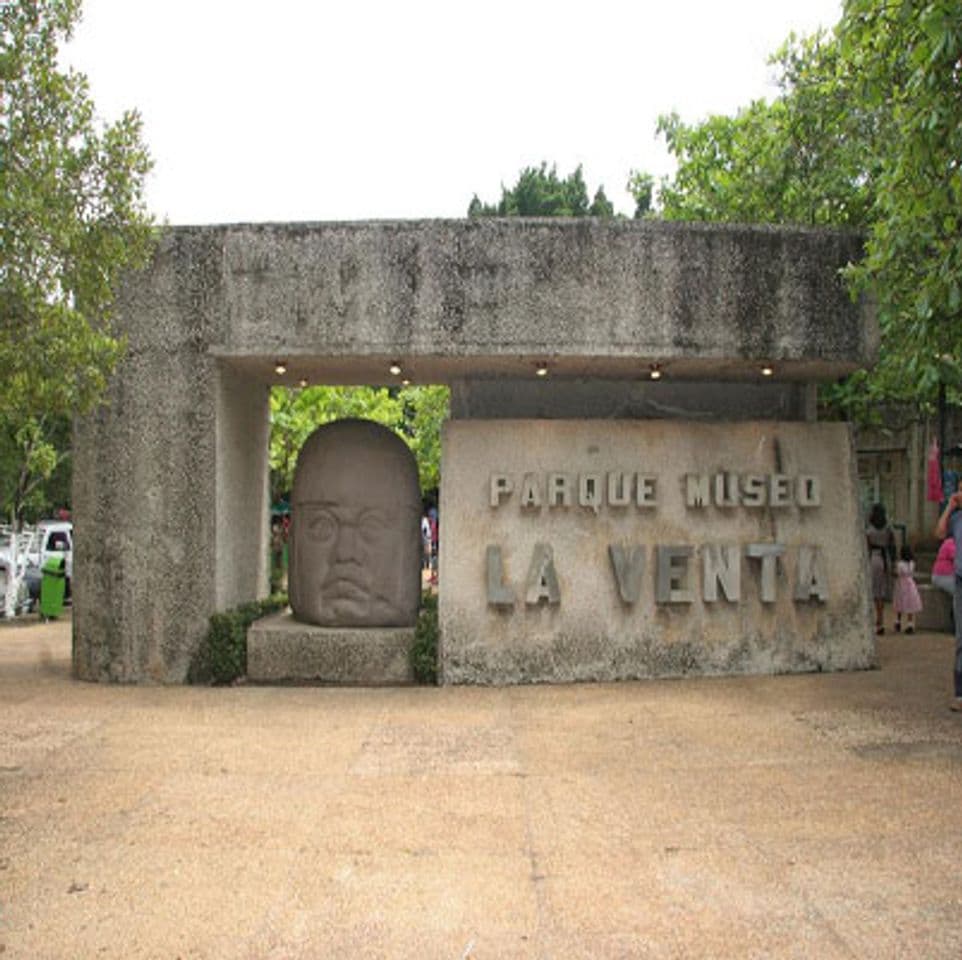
(354, 556)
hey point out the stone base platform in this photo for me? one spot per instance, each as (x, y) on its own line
(282, 650)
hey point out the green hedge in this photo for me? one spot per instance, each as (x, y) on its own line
(222, 657)
(424, 651)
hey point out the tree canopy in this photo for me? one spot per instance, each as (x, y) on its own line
(906, 59)
(415, 413)
(72, 217)
(34, 465)
(866, 133)
(540, 192)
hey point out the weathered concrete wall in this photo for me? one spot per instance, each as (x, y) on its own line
(630, 399)
(170, 478)
(492, 632)
(147, 566)
(565, 287)
(475, 298)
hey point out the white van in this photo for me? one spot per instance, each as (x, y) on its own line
(53, 537)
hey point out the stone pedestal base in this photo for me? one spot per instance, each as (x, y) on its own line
(282, 650)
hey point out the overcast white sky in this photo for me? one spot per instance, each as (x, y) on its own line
(362, 109)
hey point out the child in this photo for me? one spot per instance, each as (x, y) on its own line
(906, 597)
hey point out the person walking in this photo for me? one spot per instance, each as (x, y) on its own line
(881, 557)
(905, 597)
(950, 525)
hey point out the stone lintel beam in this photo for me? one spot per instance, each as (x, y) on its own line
(492, 297)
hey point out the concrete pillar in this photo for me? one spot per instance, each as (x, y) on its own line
(242, 490)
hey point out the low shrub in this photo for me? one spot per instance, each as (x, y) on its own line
(424, 650)
(222, 657)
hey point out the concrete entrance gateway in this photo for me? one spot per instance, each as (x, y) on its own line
(597, 522)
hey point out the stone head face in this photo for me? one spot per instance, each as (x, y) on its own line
(354, 545)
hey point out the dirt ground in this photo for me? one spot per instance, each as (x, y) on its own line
(806, 817)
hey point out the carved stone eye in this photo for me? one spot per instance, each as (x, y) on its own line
(323, 526)
(370, 525)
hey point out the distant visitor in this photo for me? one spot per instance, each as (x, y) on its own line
(355, 541)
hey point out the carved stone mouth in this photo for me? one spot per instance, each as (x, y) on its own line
(345, 588)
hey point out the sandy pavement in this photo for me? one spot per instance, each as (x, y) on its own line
(813, 816)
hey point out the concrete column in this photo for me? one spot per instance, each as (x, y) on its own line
(144, 478)
(144, 523)
(242, 490)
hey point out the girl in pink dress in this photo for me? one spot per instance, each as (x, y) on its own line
(905, 597)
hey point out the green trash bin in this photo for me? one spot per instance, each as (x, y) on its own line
(53, 581)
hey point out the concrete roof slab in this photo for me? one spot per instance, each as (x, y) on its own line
(494, 297)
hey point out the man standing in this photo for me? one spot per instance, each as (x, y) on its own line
(950, 525)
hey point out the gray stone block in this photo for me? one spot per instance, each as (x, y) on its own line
(281, 650)
(709, 299)
(619, 584)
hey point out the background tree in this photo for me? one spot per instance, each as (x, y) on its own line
(865, 133)
(34, 465)
(415, 413)
(425, 410)
(601, 206)
(905, 59)
(641, 186)
(806, 158)
(539, 192)
(72, 217)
